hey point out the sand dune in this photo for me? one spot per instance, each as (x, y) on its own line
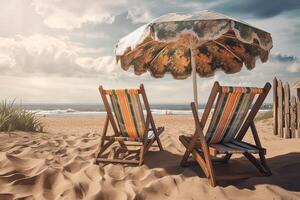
(58, 164)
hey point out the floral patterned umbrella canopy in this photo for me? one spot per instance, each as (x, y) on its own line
(188, 43)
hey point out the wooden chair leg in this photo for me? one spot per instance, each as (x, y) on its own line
(156, 135)
(227, 157)
(102, 148)
(150, 142)
(207, 168)
(189, 147)
(185, 158)
(210, 168)
(97, 155)
(148, 145)
(159, 145)
(101, 144)
(201, 162)
(142, 153)
(104, 131)
(205, 163)
(150, 117)
(106, 145)
(213, 181)
(257, 164)
(264, 164)
(261, 155)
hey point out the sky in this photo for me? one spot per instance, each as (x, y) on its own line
(60, 51)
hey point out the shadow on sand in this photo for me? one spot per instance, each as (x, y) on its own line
(285, 169)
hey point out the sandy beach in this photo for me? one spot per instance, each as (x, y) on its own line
(58, 164)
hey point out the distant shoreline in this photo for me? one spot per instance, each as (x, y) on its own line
(98, 110)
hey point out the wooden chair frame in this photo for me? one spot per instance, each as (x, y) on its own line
(144, 143)
(206, 155)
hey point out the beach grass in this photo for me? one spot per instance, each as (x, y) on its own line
(264, 115)
(16, 118)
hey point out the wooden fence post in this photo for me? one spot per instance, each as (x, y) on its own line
(287, 133)
(275, 106)
(293, 116)
(286, 110)
(298, 112)
(280, 109)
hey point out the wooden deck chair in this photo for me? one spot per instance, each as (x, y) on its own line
(131, 128)
(232, 116)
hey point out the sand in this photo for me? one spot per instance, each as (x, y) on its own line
(58, 164)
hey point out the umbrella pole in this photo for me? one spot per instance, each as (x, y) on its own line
(194, 74)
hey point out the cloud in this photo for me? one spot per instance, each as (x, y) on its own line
(290, 62)
(137, 15)
(105, 64)
(6, 62)
(294, 68)
(53, 58)
(46, 55)
(283, 58)
(50, 64)
(258, 8)
(69, 15)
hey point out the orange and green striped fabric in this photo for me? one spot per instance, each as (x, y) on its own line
(232, 106)
(128, 111)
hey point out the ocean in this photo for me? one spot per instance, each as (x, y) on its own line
(98, 110)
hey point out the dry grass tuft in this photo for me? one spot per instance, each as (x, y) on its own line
(16, 118)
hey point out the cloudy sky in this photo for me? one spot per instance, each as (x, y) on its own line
(59, 51)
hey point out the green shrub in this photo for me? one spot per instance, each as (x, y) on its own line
(17, 118)
(264, 115)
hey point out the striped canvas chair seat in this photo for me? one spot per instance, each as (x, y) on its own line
(128, 112)
(234, 146)
(231, 109)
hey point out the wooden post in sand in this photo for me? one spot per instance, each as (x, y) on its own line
(298, 112)
(275, 107)
(287, 133)
(293, 116)
(280, 109)
(286, 110)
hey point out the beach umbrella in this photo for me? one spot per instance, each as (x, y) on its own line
(186, 44)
